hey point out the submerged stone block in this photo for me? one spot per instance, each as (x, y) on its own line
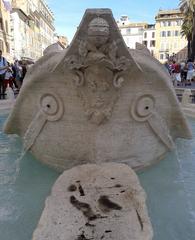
(96, 202)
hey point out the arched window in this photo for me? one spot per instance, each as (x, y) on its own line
(7, 47)
(1, 23)
(6, 26)
(1, 45)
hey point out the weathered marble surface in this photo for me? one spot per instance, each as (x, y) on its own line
(104, 202)
(98, 101)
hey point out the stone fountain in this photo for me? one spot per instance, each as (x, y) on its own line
(88, 111)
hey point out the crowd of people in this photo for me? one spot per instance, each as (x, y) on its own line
(182, 73)
(11, 75)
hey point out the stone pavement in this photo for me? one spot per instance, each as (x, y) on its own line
(6, 104)
(192, 86)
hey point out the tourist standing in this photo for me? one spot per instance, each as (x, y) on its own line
(8, 78)
(190, 71)
(177, 74)
(24, 70)
(3, 69)
(167, 67)
(17, 69)
(183, 71)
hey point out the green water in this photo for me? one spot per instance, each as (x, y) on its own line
(169, 186)
(21, 203)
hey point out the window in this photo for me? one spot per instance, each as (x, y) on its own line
(7, 47)
(6, 26)
(145, 35)
(163, 34)
(153, 34)
(152, 43)
(169, 23)
(168, 33)
(128, 30)
(1, 45)
(1, 23)
(37, 23)
(161, 56)
(176, 33)
(145, 43)
(178, 23)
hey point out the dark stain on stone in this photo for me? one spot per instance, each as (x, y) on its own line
(108, 231)
(72, 188)
(84, 208)
(106, 204)
(140, 220)
(116, 186)
(102, 237)
(87, 224)
(78, 181)
(122, 191)
(82, 237)
(112, 178)
(82, 193)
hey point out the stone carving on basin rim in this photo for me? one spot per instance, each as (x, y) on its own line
(98, 71)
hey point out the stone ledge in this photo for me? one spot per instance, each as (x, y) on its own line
(189, 110)
(6, 104)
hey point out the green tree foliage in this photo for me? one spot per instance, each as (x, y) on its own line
(188, 27)
(187, 30)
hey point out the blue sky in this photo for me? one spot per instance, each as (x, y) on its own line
(68, 13)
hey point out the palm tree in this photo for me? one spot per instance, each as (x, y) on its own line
(187, 30)
(187, 7)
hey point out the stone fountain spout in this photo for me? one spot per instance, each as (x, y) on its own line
(97, 102)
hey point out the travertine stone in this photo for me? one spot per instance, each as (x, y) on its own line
(186, 98)
(97, 102)
(55, 47)
(95, 202)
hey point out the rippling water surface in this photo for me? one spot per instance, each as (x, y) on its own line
(22, 198)
(24, 185)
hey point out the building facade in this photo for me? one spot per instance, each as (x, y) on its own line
(5, 37)
(32, 25)
(131, 32)
(168, 34)
(46, 25)
(62, 40)
(149, 38)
